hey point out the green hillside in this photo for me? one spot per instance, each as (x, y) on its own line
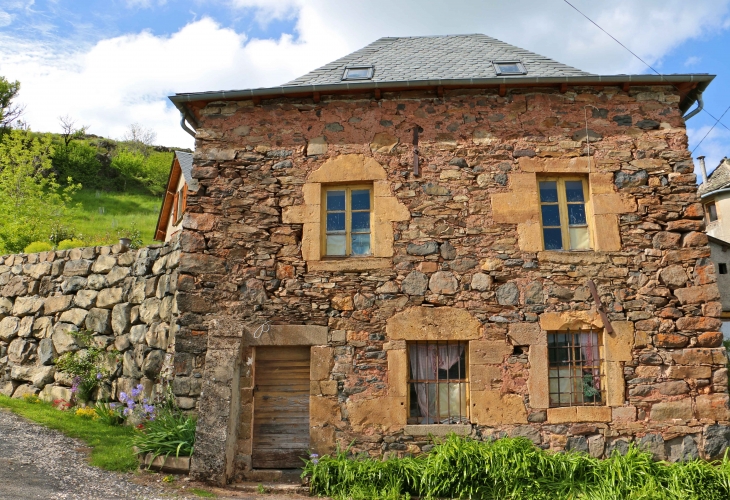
(100, 189)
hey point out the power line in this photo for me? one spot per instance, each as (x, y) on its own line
(717, 120)
(708, 132)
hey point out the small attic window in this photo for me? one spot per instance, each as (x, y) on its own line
(509, 68)
(358, 73)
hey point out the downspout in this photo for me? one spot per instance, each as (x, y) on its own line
(700, 105)
(185, 125)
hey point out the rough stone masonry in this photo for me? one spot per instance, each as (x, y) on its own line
(457, 255)
(125, 299)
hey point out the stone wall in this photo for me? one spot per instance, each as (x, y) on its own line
(125, 299)
(469, 242)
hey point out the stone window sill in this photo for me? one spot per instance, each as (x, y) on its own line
(572, 414)
(349, 264)
(437, 430)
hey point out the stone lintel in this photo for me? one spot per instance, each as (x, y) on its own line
(437, 430)
(290, 335)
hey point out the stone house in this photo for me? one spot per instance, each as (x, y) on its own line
(714, 193)
(174, 202)
(447, 234)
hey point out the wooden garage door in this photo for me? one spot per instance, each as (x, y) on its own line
(281, 407)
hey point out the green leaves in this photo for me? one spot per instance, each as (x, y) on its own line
(514, 468)
(31, 200)
(170, 433)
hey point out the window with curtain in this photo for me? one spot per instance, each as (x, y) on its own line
(575, 368)
(347, 221)
(438, 383)
(563, 214)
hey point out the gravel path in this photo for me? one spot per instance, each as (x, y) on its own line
(36, 462)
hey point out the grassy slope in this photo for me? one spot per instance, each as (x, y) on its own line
(112, 447)
(119, 210)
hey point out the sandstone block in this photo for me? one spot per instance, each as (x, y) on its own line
(697, 294)
(673, 276)
(322, 361)
(699, 323)
(80, 267)
(85, 298)
(537, 383)
(63, 341)
(481, 282)
(710, 339)
(383, 143)
(690, 372)
(9, 328)
(104, 264)
(117, 275)
(433, 323)
(443, 282)
(75, 316)
(623, 414)
(670, 340)
(671, 410)
(485, 352)
(317, 146)
(713, 407)
(121, 315)
(55, 304)
(526, 334)
(25, 306)
(491, 408)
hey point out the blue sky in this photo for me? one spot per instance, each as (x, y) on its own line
(111, 63)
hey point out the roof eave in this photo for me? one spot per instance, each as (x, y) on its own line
(702, 82)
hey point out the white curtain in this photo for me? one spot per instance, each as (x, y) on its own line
(437, 400)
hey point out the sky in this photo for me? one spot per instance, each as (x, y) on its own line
(110, 63)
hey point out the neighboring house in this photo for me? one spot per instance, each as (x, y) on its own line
(715, 195)
(175, 202)
(405, 243)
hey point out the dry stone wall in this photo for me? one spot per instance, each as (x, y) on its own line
(468, 242)
(126, 300)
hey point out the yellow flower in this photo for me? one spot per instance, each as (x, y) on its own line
(86, 413)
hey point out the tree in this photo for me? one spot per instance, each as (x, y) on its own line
(70, 131)
(31, 200)
(141, 138)
(9, 112)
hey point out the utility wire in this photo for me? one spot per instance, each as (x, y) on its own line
(717, 120)
(711, 128)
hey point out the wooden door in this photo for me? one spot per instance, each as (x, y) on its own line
(281, 407)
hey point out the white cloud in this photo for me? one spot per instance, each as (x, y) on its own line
(143, 4)
(5, 18)
(692, 61)
(126, 79)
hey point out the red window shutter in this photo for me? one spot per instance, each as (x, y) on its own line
(174, 208)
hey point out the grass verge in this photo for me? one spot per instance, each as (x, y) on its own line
(102, 213)
(111, 445)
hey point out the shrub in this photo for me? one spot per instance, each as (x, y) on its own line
(514, 468)
(170, 433)
(69, 244)
(89, 366)
(38, 246)
(108, 413)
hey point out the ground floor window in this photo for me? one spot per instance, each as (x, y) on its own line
(575, 369)
(438, 382)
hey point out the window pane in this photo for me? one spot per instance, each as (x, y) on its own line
(360, 222)
(336, 221)
(336, 244)
(550, 215)
(549, 192)
(361, 244)
(712, 212)
(579, 238)
(574, 190)
(553, 239)
(576, 214)
(335, 200)
(509, 68)
(361, 199)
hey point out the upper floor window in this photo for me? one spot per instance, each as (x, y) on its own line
(438, 383)
(358, 73)
(575, 369)
(509, 68)
(179, 203)
(711, 211)
(563, 214)
(347, 221)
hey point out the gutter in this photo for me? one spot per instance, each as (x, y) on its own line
(700, 105)
(713, 193)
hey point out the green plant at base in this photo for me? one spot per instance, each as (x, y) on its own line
(109, 413)
(170, 433)
(31, 398)
(515, 469)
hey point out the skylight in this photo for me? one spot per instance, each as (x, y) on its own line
(358, 73)
(504, 68)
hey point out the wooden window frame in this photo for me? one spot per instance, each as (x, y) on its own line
(563, 209)
(577, 364)
(709, 213)
(348, 188)
(462, 382)
(180, 204)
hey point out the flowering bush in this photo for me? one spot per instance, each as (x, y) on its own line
(88, 366)
(61, 404)
(135, 406)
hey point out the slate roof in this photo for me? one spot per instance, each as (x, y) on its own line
(399, 59)
(718, 179)
(186, 165)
